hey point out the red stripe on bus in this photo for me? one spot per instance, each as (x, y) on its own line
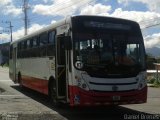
(40, 85)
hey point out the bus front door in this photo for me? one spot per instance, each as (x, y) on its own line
(61, 68)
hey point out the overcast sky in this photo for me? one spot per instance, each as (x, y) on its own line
(44, 12)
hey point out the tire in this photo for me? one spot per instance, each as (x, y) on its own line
(19, 79)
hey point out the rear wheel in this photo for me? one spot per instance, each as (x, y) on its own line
(20, 79)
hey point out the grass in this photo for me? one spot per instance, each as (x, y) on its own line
(5, 65)
(153, 82)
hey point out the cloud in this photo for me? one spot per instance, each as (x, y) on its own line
(143, 18)
(45, 1)
(60, 7)
(20, 33)
(152, 40)
(53, 21)
(152, 5)
(11, 9)
(1, 28)
(95, 9)
(5, 2)
(4, 37)
(7, 7)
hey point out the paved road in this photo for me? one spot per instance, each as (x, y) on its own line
(25, 104)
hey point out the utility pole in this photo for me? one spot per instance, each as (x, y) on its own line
(25, 10)
(10, 27)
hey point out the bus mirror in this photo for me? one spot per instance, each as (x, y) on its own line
(68, 43)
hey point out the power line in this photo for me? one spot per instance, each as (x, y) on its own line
(61, 9)
(151, 26)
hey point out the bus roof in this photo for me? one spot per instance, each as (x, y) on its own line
(66, 20)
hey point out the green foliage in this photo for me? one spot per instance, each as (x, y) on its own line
(153, 80)
(157, 83)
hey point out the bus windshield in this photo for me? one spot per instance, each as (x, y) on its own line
(111, 52)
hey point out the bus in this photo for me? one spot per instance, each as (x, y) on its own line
(83, 61)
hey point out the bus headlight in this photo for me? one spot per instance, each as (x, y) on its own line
(81, 83)
(142, 82)
(140, 86)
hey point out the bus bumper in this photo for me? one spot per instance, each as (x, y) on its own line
(80, 97)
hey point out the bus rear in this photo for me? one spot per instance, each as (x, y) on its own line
(108, 62)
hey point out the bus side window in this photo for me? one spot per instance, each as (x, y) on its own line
(22, 49)
(31, 43)
(51, 38)
(43, 39)
(34, 42)
(34, 49)
(25, 49)
(19, 50)
(28, 44)
(51, 44)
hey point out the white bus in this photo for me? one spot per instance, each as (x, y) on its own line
(83, 61)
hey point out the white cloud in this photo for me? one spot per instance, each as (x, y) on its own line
(53, 21)
(95, 9)
(152, 40)
(143, 18)
(45, 1)
(7, 7)
(4, 36)
(1, 29)
(152, 5)
(60, 7)
(20, 33)
(5, 2)
(11, 9)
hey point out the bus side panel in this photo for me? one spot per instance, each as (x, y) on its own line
(35, 73)
(37, 84)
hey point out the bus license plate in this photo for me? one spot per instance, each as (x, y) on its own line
(116, 98)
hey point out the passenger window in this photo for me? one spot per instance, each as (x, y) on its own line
(43, 39)
(22, 45)
(25, 44)
(51, 37)
(31, 43)
(35, 42)
(28, 43)
(19, 46)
